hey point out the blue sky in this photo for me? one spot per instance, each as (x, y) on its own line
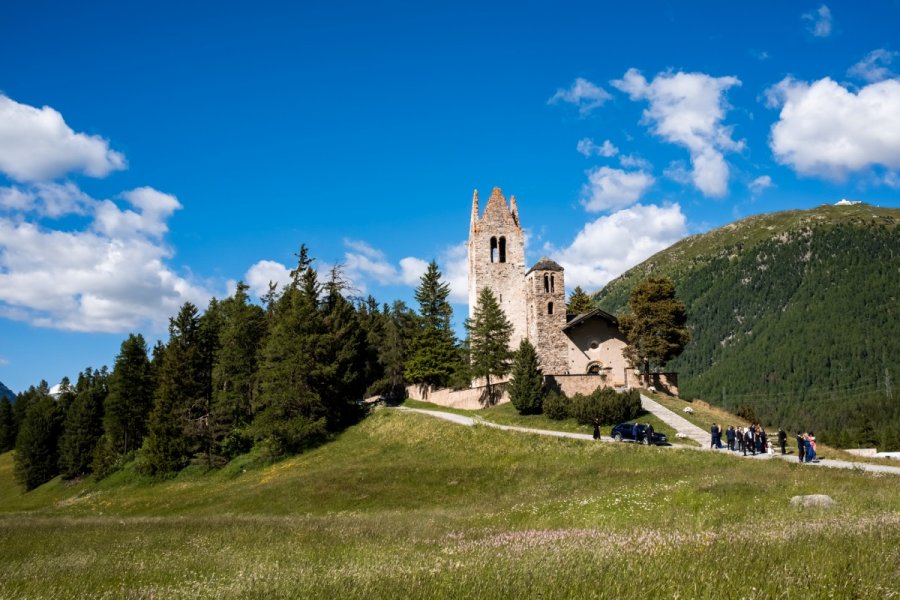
(155, 153)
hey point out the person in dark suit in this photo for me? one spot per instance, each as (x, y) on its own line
(801, 446)
(782, 440)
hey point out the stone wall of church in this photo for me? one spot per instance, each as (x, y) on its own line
(600, 343)
(497, 260)
(546, 301)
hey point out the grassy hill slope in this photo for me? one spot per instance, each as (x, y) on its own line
(406, 505)
(793, 314)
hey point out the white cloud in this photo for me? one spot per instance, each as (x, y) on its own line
(583, 94)
(820, 21)
(454, 266)
(587, 147)
(412, 269)
(263, 272)
(636, 162)
(609, 189)
(4, 360)
(37, 145)
(761, 183)
(88, 279)
(155, 208)
(609, 246)
(687, 109)
(16, 199)
(824, 129)
(876, 66)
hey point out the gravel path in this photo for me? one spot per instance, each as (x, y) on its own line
(671, 419)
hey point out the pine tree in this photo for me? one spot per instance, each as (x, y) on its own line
(234, 374)
(489, 333)
(655, 329)
(433, 355)
(526, 384)
(170, 440)
(37, 445)
(579, 302)
(130, 398)
(7, 425)
(289, 412)
(83, 425)
(399, 327)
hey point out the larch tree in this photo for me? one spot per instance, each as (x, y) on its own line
(655, 328)
(489, 334)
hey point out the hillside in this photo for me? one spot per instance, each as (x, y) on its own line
(5, 392)
(404, 505)
(794, 315)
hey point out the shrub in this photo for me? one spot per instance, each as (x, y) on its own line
(556, 405)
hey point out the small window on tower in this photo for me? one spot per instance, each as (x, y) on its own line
(493, 249)
(546, 283)
(552, 283)
(503, 249)
(549, 308)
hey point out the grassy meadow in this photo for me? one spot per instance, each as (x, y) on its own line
(404, 505)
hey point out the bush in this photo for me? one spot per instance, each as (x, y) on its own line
(606, 406)
(556, 405)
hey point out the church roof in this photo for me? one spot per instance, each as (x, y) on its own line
(545, 264)
(594, 314)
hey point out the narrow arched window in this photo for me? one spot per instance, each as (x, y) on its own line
(502, 249)
(546, 283)
(552, 283)
(493, 249)
(549, 308)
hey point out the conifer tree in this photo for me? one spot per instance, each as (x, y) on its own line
(83, 424)
(399, 328)
(526, 384)
(289, 413)
(579, 302)
(7, 425)
(234, 374)
(37, 445)
(489, 333)
(170, 440)
(433, 355)
(130, 397)
(655, 329)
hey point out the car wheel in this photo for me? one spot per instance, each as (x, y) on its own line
(618, 437)
(646, 441)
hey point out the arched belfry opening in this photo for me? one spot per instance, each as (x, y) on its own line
(498, 250)
(546, 283)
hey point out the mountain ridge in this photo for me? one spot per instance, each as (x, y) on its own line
(793, 316)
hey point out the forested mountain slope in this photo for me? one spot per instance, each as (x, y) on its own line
(5, 392)
(794, 315)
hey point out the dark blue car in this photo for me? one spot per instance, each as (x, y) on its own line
(624, 432)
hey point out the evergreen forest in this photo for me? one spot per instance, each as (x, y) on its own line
(793, 319)
(274, 378)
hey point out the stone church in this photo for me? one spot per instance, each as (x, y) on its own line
(534, 300)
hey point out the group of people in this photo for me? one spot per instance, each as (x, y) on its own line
(753, 439)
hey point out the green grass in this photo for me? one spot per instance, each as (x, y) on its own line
(506, 414)
(405, 505)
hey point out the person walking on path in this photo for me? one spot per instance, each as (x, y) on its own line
(714, 436)
(596, 431)
(801, 446)
(782, 440)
